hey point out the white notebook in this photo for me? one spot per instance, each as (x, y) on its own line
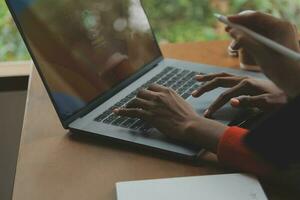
(212, 187)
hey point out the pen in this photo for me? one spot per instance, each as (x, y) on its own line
(266, 41)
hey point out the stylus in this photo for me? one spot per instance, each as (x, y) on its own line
(266, 41)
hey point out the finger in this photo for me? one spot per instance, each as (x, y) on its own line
(209, 77)
(146, 94)
(225, 97)
(216, 83)
(256, 49)
(227, 28)
(140, 103)
(133, 113)
(255, 20)
(235, 102)
(233, 48)
(248, 101)
(235, 45)
(263, 102)
(157, 88)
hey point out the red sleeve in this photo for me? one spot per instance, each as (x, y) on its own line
(234, 154)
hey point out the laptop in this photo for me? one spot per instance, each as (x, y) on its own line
(94, 56)
(209, 187)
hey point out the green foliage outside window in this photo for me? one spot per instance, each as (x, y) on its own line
(11, 44)
(193, 20)
(172, 20)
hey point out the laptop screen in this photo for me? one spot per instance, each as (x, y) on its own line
(84, 48)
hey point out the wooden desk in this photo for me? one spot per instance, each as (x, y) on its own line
(53, 165)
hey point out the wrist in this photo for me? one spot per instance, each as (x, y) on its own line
(205, 132)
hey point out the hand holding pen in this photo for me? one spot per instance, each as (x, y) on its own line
(272, 42)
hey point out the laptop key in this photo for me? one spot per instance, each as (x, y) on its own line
(137, 124)
(167, 69)
(181, 91)
(119, 104)
(119, 121)
(160, 82)
(102, 116)
(129, 122)
(176, 86)
(186, 87)
(185, 95)
(175, 71)
(169, 83)
(193, 88)
(110, 119)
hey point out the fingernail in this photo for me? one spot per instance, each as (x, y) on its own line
(234, 102)
(234, 46)
(194, 93)
(232, 52)
(116, 110)
(206, 113)
(199, 77)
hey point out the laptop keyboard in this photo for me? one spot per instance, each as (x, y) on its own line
(182, 81)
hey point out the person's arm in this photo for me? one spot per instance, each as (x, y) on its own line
(280, 69)
(173, 116)
(233, 153)
(228, 144)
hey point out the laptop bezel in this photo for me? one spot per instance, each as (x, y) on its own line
(99, 99)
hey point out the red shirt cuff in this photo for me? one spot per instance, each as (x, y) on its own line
(233, 153)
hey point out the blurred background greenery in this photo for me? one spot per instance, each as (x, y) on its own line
(11, 44)
(193, 20)
(172, 20)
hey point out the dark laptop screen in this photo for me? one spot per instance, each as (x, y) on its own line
(85, 47)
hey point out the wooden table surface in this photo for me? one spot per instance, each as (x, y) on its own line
(54, 165)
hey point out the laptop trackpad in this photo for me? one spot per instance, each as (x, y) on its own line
(225, 114)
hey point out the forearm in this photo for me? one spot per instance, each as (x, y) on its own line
(205, 132)
(227, 143)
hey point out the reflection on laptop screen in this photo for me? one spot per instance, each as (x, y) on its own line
(85, 47)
